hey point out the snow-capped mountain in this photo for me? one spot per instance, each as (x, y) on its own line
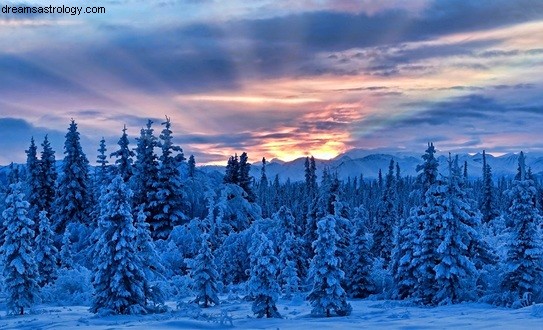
(358, 162)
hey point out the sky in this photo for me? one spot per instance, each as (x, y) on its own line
(276, 78)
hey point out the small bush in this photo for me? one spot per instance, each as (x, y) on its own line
(72, 287)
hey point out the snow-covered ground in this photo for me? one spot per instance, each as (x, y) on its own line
(367, 314)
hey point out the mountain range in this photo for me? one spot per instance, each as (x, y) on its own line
(368, 162)
(355, 162)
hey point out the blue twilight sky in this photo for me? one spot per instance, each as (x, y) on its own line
(277, 78)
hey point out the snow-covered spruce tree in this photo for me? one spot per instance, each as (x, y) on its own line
(525, 250)
(205, 276)
(386, 218)
(234, 258)
(46, 252)
(119, 279)
(428, 170)
(124, 158)
(344, 230)
(66, 257)
(48, 177)
(13, 178)
(151, 261)
(235, 212)
(288, 277)
(479, 250)
(73, 197)
(310, 232)
(327, 294)
(33, 169)
(20, 268)
(195, 186)
(170, 197)
(285, 223)
(101, 179)
(427, 254)
(144, 181)
(213, 220)
(406, 255)
(455, 273)
(322, 205)
(263, 286)
(404, 265)
(360, 284)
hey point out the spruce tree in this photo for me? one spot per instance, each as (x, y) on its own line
(288, 278)
(20, 268)
(192, 167)
(411, 247)
(488, 203)
(144, 181)
(525, 255)
(244, 178)
(101, 180)
(344, 230)
(119, 279)
(285, 222)
(33, 170)
(327, 294)
(386, 218)
(360, 284)
(263, 285)
(66, 257)
(46, 252)
(151, 261)
(170, 197)
(73, 198)
(124, 157)
(310, 178)
(404, 264)
(455, 272)
(428, 170)
(427, 258)
(205, 276)
(48, 177)
(263, 191)
(102, 170)
(232, 170)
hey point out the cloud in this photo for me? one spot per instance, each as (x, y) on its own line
(462, 124)
(467, 108)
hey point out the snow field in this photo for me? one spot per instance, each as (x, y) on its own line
(366, 314)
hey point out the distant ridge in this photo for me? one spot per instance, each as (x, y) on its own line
(368, 162)
(356, 162)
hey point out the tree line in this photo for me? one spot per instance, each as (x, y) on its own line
(151, 222)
